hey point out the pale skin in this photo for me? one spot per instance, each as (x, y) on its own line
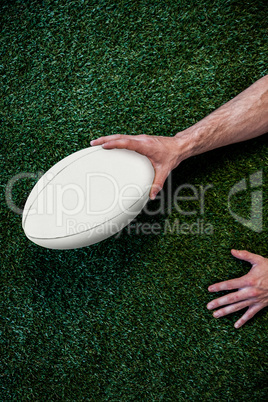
(242, 118)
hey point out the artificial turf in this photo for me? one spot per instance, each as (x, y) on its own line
(126, 319)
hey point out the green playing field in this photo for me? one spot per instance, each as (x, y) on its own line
(126, 319)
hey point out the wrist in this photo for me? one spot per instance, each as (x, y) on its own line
(187, 142)
(199, 138)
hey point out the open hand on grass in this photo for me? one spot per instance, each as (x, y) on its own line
(165, 153)
(252, 289)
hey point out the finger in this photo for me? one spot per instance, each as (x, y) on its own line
(229, 285)
(240, 295)
(106, 138)
(232, 308)
(246, 256)
(119, 141)
(159, 180)
(127, 143)
(140, 147)
(251, 311)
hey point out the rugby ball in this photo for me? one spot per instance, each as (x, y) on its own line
(87, 197)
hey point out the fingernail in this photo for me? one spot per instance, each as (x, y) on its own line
(236, 325)
(92, 142)
(153, 196)
(216, 314)
(211, 289)
(210, 306)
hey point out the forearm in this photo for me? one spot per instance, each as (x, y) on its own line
(242, 118)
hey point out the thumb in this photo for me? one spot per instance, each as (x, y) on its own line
(246, 256)
(159, 180)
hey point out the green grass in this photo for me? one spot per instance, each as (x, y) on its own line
(126, 319)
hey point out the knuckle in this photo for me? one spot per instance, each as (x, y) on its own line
(222, 311)
(157, 186)
(250, 315)
(124, 142)
(259, 259)
(251, 282)
(236, 297)
(115, 137)
(255, 292)
(226, 286)
(245, 253)
(145, 138)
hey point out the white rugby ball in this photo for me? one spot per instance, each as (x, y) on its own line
(87, 197)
